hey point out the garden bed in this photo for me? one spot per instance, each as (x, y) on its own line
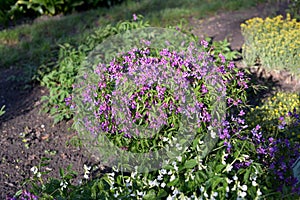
(28, 135)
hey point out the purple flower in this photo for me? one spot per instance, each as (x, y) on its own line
(224, 134)
(242, 113)
(134, 17)
(261, 150)
(230, 65)
(228, 145)
(204, 43)
(223, 60)
(204, 89)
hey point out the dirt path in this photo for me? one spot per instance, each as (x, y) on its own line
(26, 135)
(227, 24)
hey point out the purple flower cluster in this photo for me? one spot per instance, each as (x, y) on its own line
(278, 155)
(24, 196)
(154, 88)
(296, 116)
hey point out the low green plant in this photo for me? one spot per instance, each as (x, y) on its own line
(2, 111)
(272, 42)
(60, 80)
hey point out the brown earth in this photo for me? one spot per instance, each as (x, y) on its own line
(27, 135)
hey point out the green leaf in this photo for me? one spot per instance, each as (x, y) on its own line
(219, 168)
(150, 195)
(162, 193)
(190, 164)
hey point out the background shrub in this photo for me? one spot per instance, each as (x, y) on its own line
(272, 42)
(53, 7)
(294, 8)
(5, 6)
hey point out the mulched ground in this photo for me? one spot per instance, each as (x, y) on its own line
(27, 135)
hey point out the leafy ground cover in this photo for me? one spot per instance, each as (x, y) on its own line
(32, 134)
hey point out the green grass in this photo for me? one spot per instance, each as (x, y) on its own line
(32, 45)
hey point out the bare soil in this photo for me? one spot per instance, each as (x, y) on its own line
(27, 135)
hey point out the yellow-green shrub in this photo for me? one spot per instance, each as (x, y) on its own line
(268, 115)
(272, 42)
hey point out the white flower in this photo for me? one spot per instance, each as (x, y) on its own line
(192, 176)
(170, 198)
(111, 174)
(86, 176)
(178, 146)
(215, 194)
(140, 193)
(235, 178)
(34, 169)
(160, 177)
(133, 174)
(258, 192)
(175, 192)
(175, 168)
(163, 185)
(39, 174)
(234, 188)
(212, 133)
(254, 183)
(170, 172)
(228, 168)
(244, 187)
(153, 183)
(63, 185)
(116, 194)
(253, 178)
(228, 180)
(163, 171)
(86, 171)
(86, 168)
(243, 194)
(172, 178)
(179, 158)
(201, 189)
(227, 189)
(205, 194)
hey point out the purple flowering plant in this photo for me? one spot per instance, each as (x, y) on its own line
(245, 162)
(149, 77)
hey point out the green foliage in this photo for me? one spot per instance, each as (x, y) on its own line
(272, 42)
(2, 111)
(5, 6)
(60, 80)
(50, 7)
(54, 7)
(294, 8)
(223, 47)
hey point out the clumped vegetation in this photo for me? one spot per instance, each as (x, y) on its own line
(233, 152)
(272, 42)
